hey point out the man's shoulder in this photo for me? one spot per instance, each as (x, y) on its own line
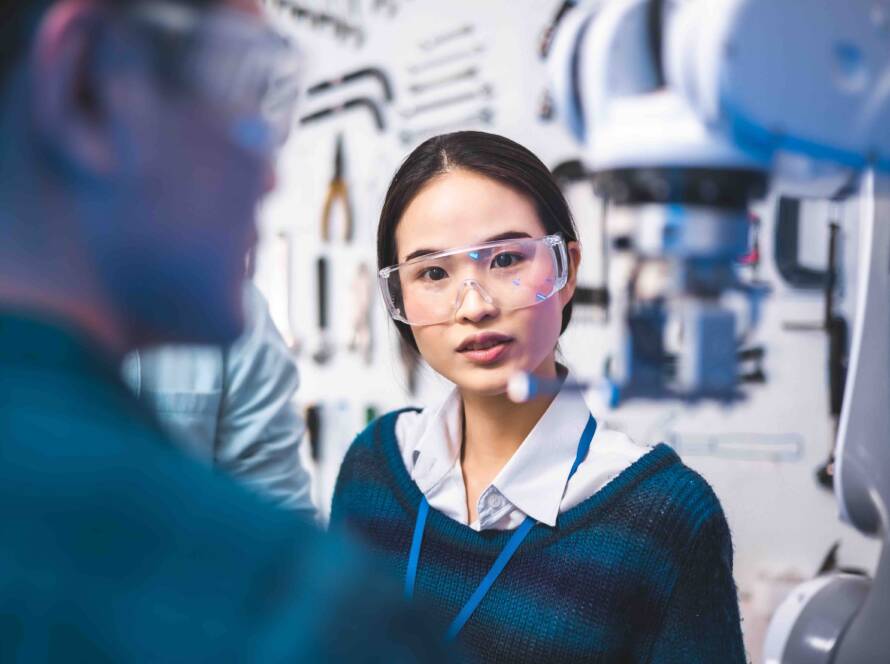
(90, 439)
(103, 502)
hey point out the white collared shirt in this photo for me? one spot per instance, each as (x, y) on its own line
(533, 482)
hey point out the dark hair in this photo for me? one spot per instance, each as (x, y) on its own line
(19, 20)
(490, 155)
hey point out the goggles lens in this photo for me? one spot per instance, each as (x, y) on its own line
(238, 63)
(510, 274)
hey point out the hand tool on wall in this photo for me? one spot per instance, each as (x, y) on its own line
(833, 324)
(546, 104)
(546, 107)
(338, 192)
(432, 63)
(787, 249)
(838, 356)
(391, 7)
(371, 413)
(325, 350)
(357, 102)
(363, 293)
(313, 430)
(451, 35)
(751, 364)
(482, 116)
(771, 447)
(319, 20)
(550, 31)
(356, 75)
(424, 86)
(753, 260)
(484, 92)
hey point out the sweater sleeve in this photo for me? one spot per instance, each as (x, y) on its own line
(349, 470)
(338, 500)
(701, 624)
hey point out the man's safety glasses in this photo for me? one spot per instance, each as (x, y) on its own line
(234, 60)
(508, 274)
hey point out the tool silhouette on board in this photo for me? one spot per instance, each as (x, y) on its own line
(338, 191)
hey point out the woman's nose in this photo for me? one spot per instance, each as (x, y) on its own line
(474, 304)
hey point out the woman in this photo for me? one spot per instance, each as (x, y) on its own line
(533, 534)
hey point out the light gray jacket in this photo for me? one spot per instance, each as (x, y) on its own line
(232, 407)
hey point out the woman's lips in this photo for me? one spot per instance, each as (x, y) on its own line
(493, 352)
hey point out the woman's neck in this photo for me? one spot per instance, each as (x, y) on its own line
(493, 429)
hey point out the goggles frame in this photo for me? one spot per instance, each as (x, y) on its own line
(253, 73)
(555, 243)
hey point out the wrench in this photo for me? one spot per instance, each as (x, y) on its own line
(483, 116)
(445, 59)
(470, 72)
(438, 40)
(484, 92)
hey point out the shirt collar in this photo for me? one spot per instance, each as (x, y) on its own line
(534, 479)
(438, 448)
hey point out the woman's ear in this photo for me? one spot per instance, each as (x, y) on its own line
(574, 252)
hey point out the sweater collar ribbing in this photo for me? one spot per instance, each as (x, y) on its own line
(491, 541)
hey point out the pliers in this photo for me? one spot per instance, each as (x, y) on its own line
(337, 190)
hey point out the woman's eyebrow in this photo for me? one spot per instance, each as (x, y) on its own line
(509, 235)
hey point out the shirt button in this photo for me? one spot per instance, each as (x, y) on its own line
(495, 501)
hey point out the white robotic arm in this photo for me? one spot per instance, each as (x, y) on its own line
(744, 84)
(688, 111)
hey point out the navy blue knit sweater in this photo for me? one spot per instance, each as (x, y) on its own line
(639, 572)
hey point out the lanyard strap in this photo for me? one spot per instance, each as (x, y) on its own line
(416, 541)
(503, 558)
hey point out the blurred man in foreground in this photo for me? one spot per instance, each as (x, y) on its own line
(130, 167)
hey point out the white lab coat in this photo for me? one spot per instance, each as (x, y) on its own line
(232, 407)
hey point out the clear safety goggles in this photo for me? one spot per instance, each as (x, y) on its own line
(509, 274)
(237, 61)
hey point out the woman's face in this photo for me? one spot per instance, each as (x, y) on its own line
(462, 208)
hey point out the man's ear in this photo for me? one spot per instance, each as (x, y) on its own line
(574, 252)
(66, 86)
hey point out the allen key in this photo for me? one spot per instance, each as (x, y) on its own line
(342, 29)
(364, 72)
(357, 102)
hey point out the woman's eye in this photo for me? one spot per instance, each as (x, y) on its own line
(506, 260)
(433, 274)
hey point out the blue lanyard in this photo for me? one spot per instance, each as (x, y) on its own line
(503, 558)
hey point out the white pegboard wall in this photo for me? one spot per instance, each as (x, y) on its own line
(782, 522)
(393, 43)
